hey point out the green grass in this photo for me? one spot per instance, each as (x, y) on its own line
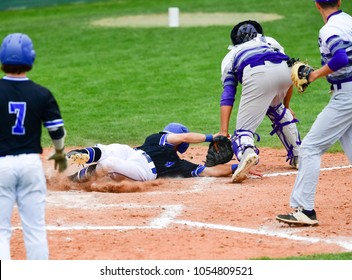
(342, 256)
(120, 84)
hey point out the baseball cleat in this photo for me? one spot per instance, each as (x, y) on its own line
(294, 162)
(249, 159)
(299, 217)
(83, 175)
(78, 156)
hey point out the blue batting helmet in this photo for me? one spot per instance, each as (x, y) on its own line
(245, 31)
(17, 49)
(178, 128)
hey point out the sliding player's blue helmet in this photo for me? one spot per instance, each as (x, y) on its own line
(178, 128)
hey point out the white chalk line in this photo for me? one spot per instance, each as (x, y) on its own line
(200, 185)
(295, 172)
(281, 234)
(170, 212)
(168, 218)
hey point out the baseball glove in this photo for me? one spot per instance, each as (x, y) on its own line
(300, 75)
(59, 158)
(219, 151)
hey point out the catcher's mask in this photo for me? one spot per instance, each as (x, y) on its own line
(245, 31)
(17, 49)
(178, 128)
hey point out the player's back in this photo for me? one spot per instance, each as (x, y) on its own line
(23, 107)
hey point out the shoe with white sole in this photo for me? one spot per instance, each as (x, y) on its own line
(78, 156)
(83, 175)
(83, 156)
(299, 217)
(249, 159)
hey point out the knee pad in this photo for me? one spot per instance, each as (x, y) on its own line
(243, 139)
(284, 125)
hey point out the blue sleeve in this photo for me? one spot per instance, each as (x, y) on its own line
(339, 60)
(228, 95)
(198, 170)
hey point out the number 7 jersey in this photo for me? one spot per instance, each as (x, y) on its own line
(24, 107)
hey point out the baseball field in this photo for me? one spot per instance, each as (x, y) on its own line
(119, 73)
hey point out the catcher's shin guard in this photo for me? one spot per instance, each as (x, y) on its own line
(243, 139)
(284, 125)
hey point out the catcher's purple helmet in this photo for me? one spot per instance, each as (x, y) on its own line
(245, 31)
(17, 49)
(178, 128)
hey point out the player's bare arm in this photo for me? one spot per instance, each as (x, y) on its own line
(192, 137)
(225, 119)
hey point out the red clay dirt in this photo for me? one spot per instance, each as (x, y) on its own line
(193, 219)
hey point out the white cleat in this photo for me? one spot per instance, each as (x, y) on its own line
(249, 159)
(298, 217)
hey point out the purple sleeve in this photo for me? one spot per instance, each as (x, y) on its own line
(228, 96)
(339, 60)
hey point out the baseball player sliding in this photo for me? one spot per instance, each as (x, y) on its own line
(335, 121)
(157, 157)
(24, 107)
(260, 65)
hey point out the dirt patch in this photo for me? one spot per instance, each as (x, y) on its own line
(185, 19)
(196, 218)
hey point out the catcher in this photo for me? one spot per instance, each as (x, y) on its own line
(260, 64)
(157, 157)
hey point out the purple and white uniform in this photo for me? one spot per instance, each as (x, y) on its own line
(335, 121)
(260, 65)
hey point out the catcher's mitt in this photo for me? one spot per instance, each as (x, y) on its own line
(300, 75)
(219, 151)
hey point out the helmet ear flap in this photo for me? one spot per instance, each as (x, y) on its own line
(30, 55)
(182, 147)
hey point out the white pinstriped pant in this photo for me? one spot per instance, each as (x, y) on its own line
(263, 86)
(332, 124)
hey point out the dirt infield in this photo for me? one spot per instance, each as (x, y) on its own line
(195, 219)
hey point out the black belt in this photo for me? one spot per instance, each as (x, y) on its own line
(338, 85)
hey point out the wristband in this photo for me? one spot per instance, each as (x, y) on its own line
(208, 138)
(234, 167)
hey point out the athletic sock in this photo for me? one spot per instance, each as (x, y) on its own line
(93, 152)
(309, 213)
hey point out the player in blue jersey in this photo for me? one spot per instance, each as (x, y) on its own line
(334, 123)
(157, 157)
(24, 107)
(258, 63)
